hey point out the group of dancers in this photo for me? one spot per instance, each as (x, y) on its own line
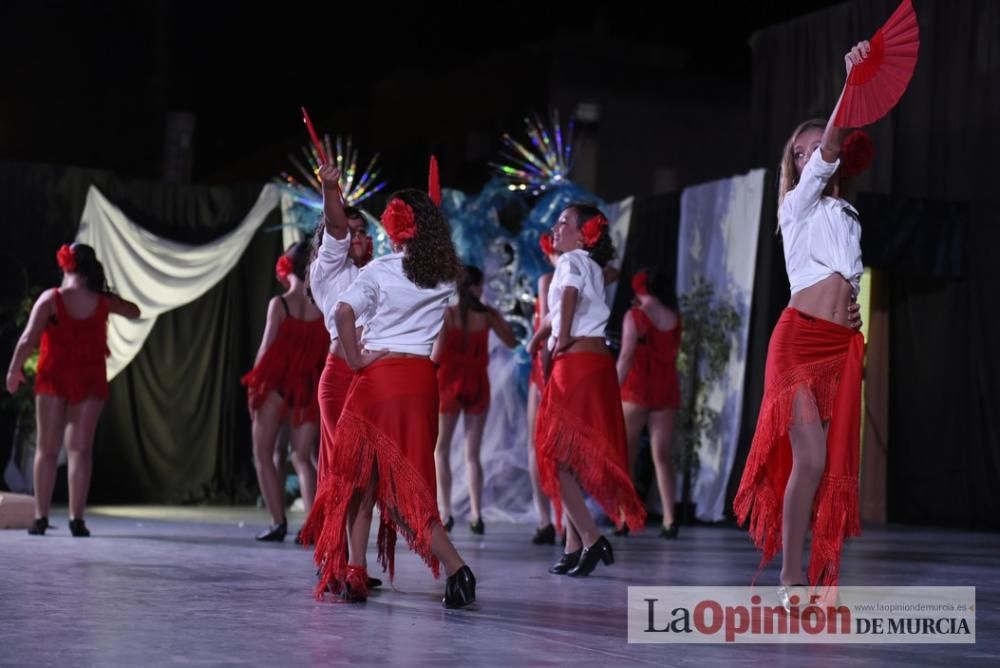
(371, 359)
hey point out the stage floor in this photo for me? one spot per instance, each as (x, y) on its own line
(190, 586)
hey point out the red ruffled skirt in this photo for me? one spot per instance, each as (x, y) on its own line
(826, 360)
(580, 428)
(388, 428)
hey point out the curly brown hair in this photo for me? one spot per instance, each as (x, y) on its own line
(429, 258)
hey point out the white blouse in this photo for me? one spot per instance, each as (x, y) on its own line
(576, 270)
(330, 274)
(399, 316)
(821, 235)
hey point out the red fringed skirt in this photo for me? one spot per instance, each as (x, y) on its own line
(291, 367)
(580, 428)
(463, 377)
(826, 360)
(388, 428)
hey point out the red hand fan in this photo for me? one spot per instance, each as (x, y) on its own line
(875, 85)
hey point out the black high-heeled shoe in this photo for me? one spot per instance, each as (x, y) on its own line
(78, 528)
(478, 527)
(566, 563)
(38, 526)
(599, 551)
(374, 583)
(274, 533)
(669, 532)
(460, 589)
(449, 524)
(545, 536)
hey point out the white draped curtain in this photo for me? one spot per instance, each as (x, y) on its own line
(156, 273)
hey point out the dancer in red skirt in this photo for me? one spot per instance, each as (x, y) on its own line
(282, 385)
(383, 447)
(341, 247)
(580, 435)
(463, 357)
(545, 534)
(647, 371)
(69, 326)
(802, 470)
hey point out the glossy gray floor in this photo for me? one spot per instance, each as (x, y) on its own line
(163, 587)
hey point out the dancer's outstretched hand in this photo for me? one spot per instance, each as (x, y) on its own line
(329, 177)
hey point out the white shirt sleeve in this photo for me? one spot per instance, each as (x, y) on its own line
(801, 199)
(330, 257)
(572, 274)
(362, 295)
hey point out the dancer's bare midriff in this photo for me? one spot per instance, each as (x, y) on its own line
(588, 344)
(829, 299)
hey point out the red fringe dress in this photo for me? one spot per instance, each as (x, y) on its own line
(72, 354)
(580, 425)
(463, 378)
(291, 368)
(652, 381)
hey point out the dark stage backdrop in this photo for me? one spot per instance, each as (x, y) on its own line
(940, 144)
(176, 428)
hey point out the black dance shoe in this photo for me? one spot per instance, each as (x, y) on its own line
(566, 563)
(38, 526)
(460, 589)
(78, 528)
(669, 532)
(374, 583)
(478, 527)
(449, 524)
(274, 533)
(599, 551)
(545, 536)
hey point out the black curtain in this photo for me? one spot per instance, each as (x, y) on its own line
(940, 144)
(652, 242)
(176, 428)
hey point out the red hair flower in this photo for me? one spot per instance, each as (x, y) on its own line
(284, 267)
(545, 243)
(66, 259)
(856, 154)
(639, 282)
(593, 229)
(399, 221)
